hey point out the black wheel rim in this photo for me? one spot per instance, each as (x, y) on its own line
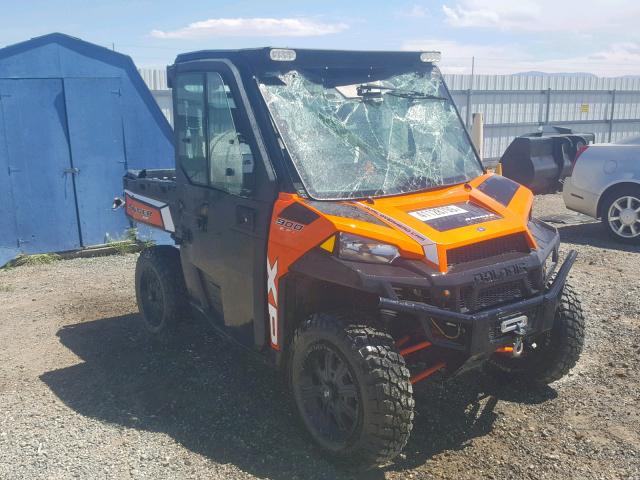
(328, 396)
(152, 298)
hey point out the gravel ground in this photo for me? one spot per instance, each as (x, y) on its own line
(83, 393)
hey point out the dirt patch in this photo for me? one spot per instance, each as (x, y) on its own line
(84, 393)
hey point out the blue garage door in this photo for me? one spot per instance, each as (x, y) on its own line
(8, 231)
(38, 164)
(97, 149)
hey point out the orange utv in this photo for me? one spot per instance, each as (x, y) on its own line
(329, 211)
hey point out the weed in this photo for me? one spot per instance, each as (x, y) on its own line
(36, 259)
(124, 246)
(130, 244)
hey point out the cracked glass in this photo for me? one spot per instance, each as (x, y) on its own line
(362, 138)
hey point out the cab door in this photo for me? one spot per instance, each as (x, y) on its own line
(226, 198)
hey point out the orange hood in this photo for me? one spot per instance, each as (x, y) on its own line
(421, 228)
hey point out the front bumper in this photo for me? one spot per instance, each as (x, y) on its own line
(579, 200)
(482, 329)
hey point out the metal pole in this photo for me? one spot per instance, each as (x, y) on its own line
(468, 115)
(546, 121)
(477, 133)
(473, 69)
(613, 106)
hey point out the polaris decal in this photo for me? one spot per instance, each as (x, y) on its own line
(272, 301)
(458, 215)
(417, 236)
(429, 247)
(345, 210)
(491, 276)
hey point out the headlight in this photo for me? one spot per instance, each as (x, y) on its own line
(361, 249)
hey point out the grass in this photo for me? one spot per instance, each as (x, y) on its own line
(130, 244)
(36, 259)
(122, 247)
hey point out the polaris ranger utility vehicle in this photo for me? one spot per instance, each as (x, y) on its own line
(330, 211)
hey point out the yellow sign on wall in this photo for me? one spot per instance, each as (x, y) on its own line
(584, 108)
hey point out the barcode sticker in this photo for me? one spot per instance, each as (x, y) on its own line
(437, 212)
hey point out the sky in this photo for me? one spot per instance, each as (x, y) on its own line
(504, 36)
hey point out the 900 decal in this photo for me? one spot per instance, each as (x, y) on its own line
(285, 224)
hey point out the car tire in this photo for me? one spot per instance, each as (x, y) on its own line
(160, 289)
(556, 352)
(351, 389)
(619, 215)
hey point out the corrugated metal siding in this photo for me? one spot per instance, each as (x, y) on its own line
(155, 78)
(513, 105)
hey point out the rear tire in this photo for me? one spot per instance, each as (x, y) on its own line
(621, 214)
(351, 389)
(160, 289)
(557, 351)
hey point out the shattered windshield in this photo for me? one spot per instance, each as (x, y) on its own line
(354, 139)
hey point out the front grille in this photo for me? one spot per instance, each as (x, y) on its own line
(488, 248)
(500, 294)
(491, 296)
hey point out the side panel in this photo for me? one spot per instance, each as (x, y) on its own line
(97, 152)
(37, 151)
(294, 230)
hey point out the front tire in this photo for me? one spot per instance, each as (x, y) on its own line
(556, 351)
(160, 289)
(621, 214)
(351, 389)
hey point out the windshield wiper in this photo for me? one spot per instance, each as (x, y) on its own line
(413, 95)
(368, 91)
(367, 87)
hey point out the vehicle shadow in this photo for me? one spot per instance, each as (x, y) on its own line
(450, 414)
(221, 402)
(592, 234)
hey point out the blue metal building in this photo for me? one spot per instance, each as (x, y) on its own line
(73, 117)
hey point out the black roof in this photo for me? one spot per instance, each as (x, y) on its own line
(259, 59)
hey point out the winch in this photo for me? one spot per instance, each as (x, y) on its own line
(518, 326)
